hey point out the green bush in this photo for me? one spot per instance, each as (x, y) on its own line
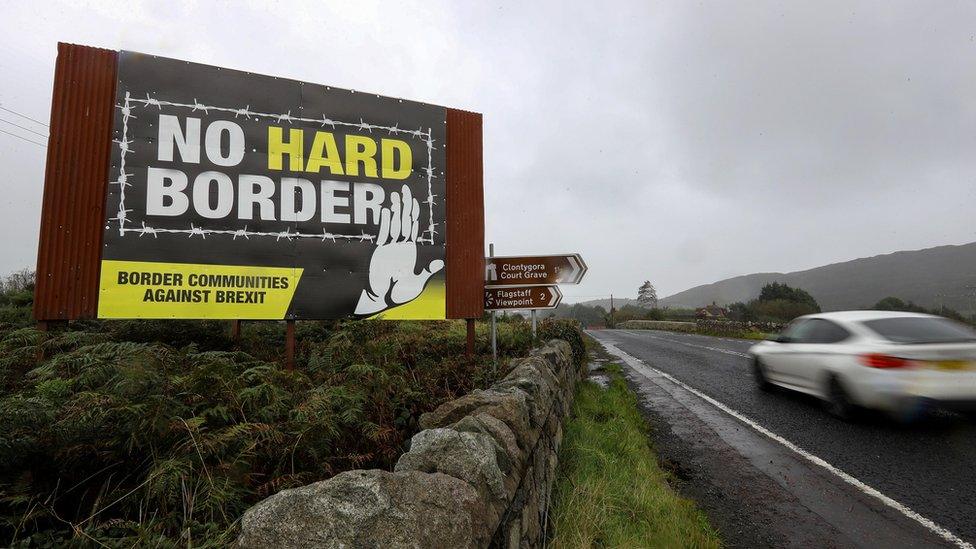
(167, 437)
(162, 432)
(780, 310)
(567, 330)
(207, 335)
(656, 314)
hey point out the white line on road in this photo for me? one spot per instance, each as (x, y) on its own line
(642, 367)
(716, 349)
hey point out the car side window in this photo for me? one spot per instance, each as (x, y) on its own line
(818, 330)
(801, 332)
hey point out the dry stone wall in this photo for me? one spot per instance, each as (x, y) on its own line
(670, 325)
(479, 474)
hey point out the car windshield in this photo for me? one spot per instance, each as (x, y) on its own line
(913, 329)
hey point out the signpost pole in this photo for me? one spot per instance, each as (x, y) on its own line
(533, 325)
(235, 330)
(289, 344)
(494, 334)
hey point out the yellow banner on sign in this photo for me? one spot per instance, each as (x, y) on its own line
(142, 289)
(429, 305)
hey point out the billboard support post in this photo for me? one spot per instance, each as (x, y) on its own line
(469, 348)
(235, 330)
(290, 344)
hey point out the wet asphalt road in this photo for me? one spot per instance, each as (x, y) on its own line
(930, 465)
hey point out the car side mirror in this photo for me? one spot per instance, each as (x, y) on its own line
(781, 338)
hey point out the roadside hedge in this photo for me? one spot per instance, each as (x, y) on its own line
(162, 433)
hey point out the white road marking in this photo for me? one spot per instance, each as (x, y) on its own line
(716, 349)
(643, 368)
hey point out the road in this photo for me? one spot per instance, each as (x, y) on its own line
(880, 483)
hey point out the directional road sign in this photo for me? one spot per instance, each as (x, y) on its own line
(534, 270)
(523, 297)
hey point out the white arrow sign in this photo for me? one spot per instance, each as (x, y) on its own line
(534, 270)
(523, 297)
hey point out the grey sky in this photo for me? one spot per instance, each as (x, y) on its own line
(673, 141)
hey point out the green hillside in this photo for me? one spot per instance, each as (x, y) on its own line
(945, 275)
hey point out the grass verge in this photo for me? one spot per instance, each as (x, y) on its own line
(610, 491)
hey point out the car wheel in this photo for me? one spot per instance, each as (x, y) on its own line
(838, 401)
(759, 373)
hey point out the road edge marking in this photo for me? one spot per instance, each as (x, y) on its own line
(930, 525)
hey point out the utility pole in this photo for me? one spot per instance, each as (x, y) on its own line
(972, 299)
(612, 323)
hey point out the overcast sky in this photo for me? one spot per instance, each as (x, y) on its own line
(673, 141)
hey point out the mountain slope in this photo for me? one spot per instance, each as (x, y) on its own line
(929, 277)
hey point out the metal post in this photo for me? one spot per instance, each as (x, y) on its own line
(533, 325)
(469, 348)
(289, 344)
(42, 326)
(494, 328)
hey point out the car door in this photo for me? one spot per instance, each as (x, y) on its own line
(806, 364)
(777, 358)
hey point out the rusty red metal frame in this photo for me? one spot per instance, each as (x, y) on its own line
(465, 215)
(70, 242)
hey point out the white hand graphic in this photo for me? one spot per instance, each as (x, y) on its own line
(393, 276)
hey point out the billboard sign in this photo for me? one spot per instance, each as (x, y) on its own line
(237, 195)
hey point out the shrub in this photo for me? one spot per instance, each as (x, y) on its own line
(167, 438)
(780, 310)
(781, 292)
(567, 330)
(656, 314)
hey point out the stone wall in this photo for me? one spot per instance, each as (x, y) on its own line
(479, 474)
(734, 327)
(669, 325)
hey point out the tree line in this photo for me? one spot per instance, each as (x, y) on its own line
(776, 302)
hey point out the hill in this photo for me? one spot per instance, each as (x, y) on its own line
(618, 302)
(944, 275)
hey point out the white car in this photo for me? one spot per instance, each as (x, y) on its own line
(901, 363)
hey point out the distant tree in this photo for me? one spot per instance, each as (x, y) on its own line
(779, 310)
(656, 314)
(776, 303)
(949, 312)
(17, 289)
(740, 311)
(892, 303)
(20, 281)
(647, 295)
(587, 315)
(775, 291)
(629, 312)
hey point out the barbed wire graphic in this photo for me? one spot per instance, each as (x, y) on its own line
(124, 144)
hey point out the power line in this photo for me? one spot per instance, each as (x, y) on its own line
(24, 138)
(23, 128)
(24, 116)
